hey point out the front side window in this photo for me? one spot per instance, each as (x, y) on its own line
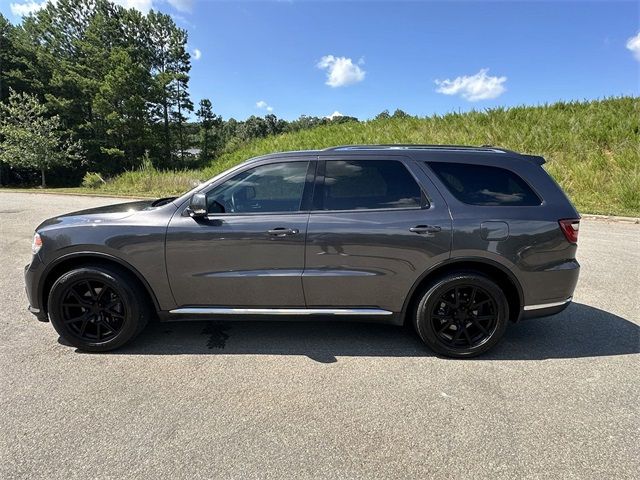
(276, 187)
(484, 185)
(369, 184)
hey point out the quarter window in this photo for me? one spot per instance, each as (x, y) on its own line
(369, 184)
(271, 188)
(484, 185)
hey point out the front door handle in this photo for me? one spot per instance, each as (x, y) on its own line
(425, 229)
(282, 232)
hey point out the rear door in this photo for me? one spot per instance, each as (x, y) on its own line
(377, 224)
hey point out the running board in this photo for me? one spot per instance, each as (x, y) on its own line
(279, 311)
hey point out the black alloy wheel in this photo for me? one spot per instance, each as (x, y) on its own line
(462, 314)
(93, 311)
(97, 308)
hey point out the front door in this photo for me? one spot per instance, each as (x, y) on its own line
(249, 250)
(373, 232)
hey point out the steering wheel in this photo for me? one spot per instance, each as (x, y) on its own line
(233, 201)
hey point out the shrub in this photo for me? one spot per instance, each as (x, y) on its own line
(92, 180)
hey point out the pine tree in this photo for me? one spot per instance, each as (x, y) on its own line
(170, 64)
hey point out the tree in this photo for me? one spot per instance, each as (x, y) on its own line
(210, 131)
(400, 114)
(383, 115)
(120, 109)
(170, 66)
(31, 139)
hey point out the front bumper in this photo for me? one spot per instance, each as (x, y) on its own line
(32, 274)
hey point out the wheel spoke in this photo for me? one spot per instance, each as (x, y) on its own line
(457, 335)
(84, 326)
(445, 326)
(483, 302)
(91, 290)
(466, 334)
(113, 313)
(79, 298)
(102, 292)
(472, 297)
(479, 325)
(111, 327)
(97, 331)
(84, 316)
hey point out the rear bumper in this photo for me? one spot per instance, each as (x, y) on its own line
(549, 291)
(545, 309)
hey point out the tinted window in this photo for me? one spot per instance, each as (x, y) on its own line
(275, 187)
(484, 185)
(367, 184)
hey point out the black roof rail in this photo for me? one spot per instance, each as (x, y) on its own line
(383, 146)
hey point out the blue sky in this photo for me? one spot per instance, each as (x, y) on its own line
(359, 58)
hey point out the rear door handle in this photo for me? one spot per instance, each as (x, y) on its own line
(282, 232)
(422, 229)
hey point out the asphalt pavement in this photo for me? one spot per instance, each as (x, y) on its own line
(558, 398)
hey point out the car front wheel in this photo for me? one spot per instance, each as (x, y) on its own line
(97, 308)
(462, 314)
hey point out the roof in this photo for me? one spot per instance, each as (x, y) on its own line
(417, 148)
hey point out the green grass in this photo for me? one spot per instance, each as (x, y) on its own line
(592, 148)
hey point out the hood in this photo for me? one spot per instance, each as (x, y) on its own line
(117, 211)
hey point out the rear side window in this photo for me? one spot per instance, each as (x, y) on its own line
(369, 184)
(484, 185)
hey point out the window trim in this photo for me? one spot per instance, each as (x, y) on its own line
(429, 163)
(308, 184)
(317, 203)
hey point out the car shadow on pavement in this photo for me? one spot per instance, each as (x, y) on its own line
(579, 331)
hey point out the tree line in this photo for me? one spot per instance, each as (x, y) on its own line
(87, 85)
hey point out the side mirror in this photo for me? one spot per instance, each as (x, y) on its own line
(198, 205)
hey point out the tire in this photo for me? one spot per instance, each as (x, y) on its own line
(97, 309)
(462, 315)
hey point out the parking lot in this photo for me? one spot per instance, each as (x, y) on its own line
(558, 398)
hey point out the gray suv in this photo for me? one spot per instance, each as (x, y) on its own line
(458, 241)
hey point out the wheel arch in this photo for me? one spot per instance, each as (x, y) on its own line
(494, 270)
(83, 259)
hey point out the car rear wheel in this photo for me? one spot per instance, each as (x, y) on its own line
(462, 315)
(97, 308)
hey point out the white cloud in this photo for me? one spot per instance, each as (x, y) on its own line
(181, 5)
(27, 8)
(335, 114)
(261, 104)
(197, 54)
(341, 71)
(633, 44)
(142, 5)
(475, 87)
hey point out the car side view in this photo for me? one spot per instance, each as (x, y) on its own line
(458, 241)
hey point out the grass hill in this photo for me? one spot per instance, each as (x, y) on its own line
(592, 148)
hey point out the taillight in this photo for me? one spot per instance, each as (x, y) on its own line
(570, 227)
